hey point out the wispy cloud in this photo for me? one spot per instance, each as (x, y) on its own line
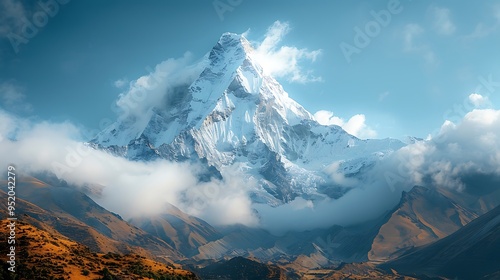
(13, 99)
(443, 23)
(383, 96)
(356, 125)
(120, 83)
(412, 43)
(40, 147)
(479, 101)
(410, 33)
(483, 29)
(283, 61)
(12, 16)
(148, 91)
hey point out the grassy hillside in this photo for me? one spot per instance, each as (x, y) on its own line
(44, 255)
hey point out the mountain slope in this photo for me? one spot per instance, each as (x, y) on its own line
(244, 269)
(472, 252)
(308, 249)
(183, 232)
(50, 255)
(422, 216)
(78, 217)
(234, 113)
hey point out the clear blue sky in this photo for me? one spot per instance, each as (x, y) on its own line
(421, 64)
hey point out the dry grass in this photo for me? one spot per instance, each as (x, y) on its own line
(44, 255)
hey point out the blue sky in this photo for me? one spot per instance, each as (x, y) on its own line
(415, 71)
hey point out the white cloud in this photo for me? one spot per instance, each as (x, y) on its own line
(11, 93)
(327, 118)
(496, 13)
(469, 147)
(483, 29)
(442, 21)
(9, 124)
(12, 15)
(13, 98)
(283, 61)
(459, 150)
(120, 83)
(54, 147)
(155, 88)
(222, 202)
(479, 101)
(360, 204)
(383, 96)
(339, 178)
(355, 125)
(411, 31)
(411, 34)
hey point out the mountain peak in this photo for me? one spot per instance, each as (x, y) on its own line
(230, 51)
(229, 39)
(233, 113)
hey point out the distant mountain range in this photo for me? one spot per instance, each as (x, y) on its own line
(423, 216)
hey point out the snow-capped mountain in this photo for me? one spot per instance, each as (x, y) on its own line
(235, 114)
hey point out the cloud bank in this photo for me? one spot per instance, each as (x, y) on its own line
(459, 150)
(126, 187)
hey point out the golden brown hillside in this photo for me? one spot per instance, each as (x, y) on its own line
(44, 255)
(422, 217)
(76, 216)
